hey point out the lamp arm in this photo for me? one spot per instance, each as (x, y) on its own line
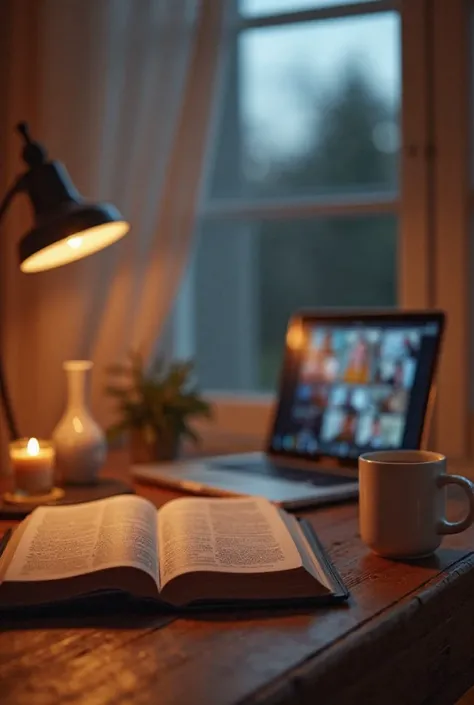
(4, 394)
(8, 198)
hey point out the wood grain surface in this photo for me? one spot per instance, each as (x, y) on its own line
(406, 637)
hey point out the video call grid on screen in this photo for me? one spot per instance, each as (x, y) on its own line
(354, 388)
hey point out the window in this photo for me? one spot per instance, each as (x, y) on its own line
(250, 275)
(309, 199)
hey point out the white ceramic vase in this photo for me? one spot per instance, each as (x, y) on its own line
(79, 441)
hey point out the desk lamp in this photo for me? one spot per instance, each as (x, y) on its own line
(66, 227)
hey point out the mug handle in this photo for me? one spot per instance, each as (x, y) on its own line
(455, 527)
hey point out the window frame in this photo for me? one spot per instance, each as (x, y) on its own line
(429, 36)
(451, 156)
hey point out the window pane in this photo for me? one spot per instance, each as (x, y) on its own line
(251, 8)
(311, 108)
(250, 277)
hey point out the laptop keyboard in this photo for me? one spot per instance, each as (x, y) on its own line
(269, 469)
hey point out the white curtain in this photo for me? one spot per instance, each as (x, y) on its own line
(120, 92)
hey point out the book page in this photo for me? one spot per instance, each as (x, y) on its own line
(224, 535)
(62, 542)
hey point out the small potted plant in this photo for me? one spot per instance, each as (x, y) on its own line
(154, 407)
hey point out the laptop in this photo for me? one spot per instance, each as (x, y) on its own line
(351, 382)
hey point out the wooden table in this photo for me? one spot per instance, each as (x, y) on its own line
(406, 637)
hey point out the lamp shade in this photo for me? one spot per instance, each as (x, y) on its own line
(66, 227)
(70, 232)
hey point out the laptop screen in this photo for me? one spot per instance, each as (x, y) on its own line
(351, 384)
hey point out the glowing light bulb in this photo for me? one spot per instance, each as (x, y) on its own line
(74, 242)
(32, 447)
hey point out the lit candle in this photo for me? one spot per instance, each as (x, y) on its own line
(33, 465)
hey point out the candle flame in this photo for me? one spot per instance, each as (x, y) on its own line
(33, 447)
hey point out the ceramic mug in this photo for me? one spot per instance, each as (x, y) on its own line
(402, 502)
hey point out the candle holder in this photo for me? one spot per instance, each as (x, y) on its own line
(32, 462)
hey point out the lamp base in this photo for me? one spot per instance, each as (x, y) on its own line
(104, 487)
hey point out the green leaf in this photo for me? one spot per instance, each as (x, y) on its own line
(179, 374)
(191, 433)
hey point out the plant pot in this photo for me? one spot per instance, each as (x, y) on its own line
(163, 449)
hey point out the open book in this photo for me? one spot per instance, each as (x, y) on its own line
(193, 550)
